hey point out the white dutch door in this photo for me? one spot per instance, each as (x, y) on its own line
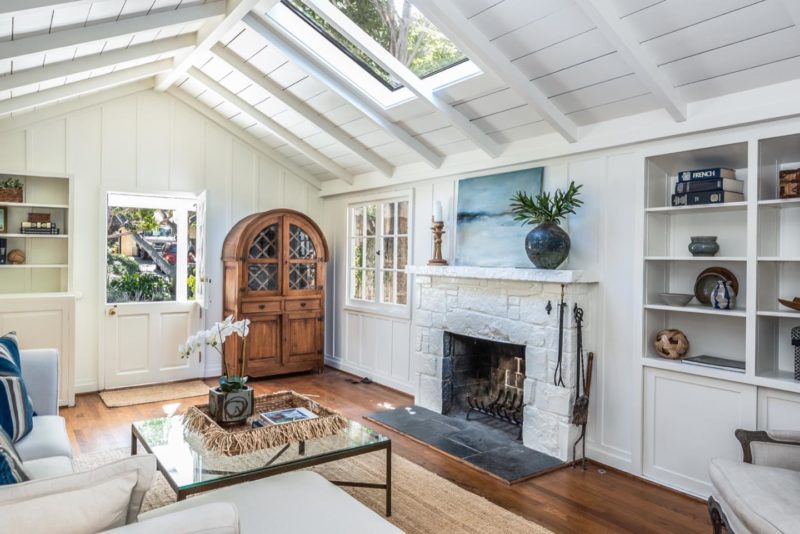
(154, 287)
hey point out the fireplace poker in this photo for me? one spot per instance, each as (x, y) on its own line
(558, 379)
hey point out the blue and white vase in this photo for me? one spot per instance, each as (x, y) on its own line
(723, 297)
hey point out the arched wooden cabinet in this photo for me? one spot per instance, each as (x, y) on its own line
(274, 268)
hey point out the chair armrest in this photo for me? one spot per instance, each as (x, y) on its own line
(774, 448)
(40, 372)
(213, 518)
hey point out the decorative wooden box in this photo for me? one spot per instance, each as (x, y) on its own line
(11, 195)
(790, 183)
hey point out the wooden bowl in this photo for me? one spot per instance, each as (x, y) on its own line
(793, 304)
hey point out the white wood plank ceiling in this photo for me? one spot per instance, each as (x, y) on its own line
(548, 66)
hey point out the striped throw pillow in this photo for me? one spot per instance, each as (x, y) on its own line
(9, 355)
(16, 412)
(11, 470)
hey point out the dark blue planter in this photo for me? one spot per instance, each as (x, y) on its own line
(547, 246)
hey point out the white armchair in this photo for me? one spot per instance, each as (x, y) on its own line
(760, 494)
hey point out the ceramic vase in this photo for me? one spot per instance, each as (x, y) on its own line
(547, 246)
(723, 296)
(704, 245)
(229, 407)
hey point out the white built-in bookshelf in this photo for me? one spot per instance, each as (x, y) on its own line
(47, 257)
(759, 243)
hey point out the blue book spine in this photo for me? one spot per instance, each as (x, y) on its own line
(706, 174)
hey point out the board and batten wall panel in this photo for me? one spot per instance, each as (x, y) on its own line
(146, 142)
(360, 342)
(778, 410)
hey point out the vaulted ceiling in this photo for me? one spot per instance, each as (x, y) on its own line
(545, 66)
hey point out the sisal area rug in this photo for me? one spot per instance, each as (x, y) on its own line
(114, 398)
(423, 502)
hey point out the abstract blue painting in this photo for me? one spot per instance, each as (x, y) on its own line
(486, 233)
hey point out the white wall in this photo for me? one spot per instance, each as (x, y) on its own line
(148, 142)
(379, 347)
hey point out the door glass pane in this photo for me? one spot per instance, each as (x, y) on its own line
(266, 244)
(357, 284)
(300, 245)
(388, 252)
(371, 218)
(370, 255)
(302, 276)
(402, 217)
(402, 288)
(369, 285)
(358, 221)
(402, 252)
(358, 252)
(388, 286)
(141, 254)
(191, 266)
(388, 218)
(262, 277)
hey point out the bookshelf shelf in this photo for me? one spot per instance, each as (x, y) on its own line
(780, 203)
(48, 257)
(696, 370)
(779, 313)
(712, 259)
(777, 259)
(696, 308)
(706, 208)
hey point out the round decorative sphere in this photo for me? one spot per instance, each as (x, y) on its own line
(671, 344)
(547, 246)
(15, 257)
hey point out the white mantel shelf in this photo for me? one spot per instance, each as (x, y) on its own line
(546, 276)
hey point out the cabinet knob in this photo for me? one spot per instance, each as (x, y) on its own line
(262, 306)
(303, 304)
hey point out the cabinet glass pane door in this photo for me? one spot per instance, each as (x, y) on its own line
(262, 272)
(302, 275)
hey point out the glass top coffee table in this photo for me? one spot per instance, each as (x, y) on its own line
(190, 467)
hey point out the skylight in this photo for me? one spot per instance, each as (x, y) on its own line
(397, 26)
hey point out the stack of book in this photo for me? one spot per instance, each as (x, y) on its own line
(46, 228)
(707, 186)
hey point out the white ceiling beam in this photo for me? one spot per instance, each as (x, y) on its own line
(303, 109)
(48, 96)
(210, 34)
(284, 133)
(602, 13)
(61, 69)
(105, 30)
(245, 136)
(303, 60)
(15, 7)
(476, 46)
(421, 88)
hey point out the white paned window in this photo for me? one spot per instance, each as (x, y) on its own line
(378, 252)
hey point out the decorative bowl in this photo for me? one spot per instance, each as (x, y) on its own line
(793, 304)
(676, 299)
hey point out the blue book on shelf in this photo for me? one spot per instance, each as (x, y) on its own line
(706, 174)
(713, 184)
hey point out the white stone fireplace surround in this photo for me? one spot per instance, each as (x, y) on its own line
(506, 305)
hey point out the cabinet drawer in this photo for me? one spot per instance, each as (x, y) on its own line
(261, 307)
(299, 305)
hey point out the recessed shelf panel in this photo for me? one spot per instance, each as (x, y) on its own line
(709, 333)
(774, 351)
(776, 154)
(34, 205)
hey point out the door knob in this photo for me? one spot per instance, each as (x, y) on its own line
(112, 310)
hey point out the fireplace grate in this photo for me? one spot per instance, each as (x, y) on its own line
(506, 406)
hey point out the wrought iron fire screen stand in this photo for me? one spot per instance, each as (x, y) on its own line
(507, 405)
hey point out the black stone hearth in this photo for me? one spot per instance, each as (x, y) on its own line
(489, 445)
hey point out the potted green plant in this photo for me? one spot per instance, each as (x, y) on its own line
(547, 245)
(231, 401)
(10, 190)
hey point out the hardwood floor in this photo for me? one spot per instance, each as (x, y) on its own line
(563, 501)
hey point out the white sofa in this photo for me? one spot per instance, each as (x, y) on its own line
(298, 502)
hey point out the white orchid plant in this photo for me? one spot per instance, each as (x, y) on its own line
(215, 337)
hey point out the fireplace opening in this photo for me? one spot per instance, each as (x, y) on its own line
(486, 378)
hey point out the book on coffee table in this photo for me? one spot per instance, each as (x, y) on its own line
(288, 415)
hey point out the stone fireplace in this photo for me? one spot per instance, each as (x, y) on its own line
(480, 330)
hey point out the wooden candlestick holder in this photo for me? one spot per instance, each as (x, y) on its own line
(438, 232)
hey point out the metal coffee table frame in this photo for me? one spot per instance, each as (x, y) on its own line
(269, 469)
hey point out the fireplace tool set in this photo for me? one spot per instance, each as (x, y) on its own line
(583, 383)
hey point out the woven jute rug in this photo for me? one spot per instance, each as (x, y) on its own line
(422, 502)
(160, 392)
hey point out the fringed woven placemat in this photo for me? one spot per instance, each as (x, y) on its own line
(241, 439)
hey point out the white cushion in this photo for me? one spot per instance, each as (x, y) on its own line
(761, 499)
(296, 502)
(55, 466)
(216, 518)
(143, 468)
(80, 511)
(48, 438)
